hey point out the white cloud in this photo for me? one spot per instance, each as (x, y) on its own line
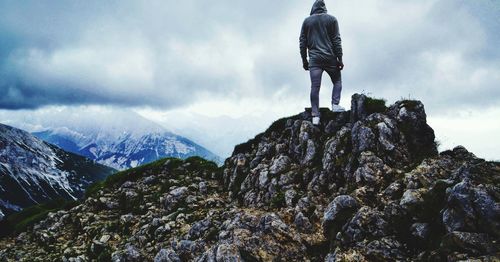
(237, 62)
(477, 130)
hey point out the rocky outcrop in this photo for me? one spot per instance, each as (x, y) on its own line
(367, 185)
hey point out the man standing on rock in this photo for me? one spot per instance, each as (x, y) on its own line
(320, 35)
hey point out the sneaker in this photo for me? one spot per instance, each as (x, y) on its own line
(337, 108)
(316, 120)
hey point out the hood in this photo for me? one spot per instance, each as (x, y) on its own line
(318, 7)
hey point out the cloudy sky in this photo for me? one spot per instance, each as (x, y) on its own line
(221, 71)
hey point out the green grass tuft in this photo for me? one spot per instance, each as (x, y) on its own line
(192, 164)
(278, 200)
(410, 104)
(20, 221)
(132, 174)
(375, 105)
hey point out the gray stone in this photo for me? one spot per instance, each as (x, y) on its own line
(280, 165)
(302, 223)
(363, 138)
(420, 230)
(290, 196)
(228, 253)
(337, 213)
(167, 255)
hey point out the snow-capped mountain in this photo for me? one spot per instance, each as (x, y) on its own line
(128, 149)
(33, 171)
(118, 138)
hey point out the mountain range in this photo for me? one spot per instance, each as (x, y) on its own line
(33, 171)
(127, 150)
(120, 139)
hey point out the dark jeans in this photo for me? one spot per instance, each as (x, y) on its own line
(316, 73)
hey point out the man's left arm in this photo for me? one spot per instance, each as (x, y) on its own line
(337, 43)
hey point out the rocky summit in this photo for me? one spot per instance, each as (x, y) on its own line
(365, 185)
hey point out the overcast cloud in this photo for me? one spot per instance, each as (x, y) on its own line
(240, 58)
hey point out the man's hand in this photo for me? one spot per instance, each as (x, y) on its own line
(340, 65)
(305, 64)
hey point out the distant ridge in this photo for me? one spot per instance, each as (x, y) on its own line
(33, 171)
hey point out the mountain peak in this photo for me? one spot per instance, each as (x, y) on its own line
(365, 185)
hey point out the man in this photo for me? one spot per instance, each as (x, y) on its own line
(320, 35)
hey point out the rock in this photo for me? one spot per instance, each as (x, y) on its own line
(228, 253)
(338, 212)
(394, 190)
(174, 197)
(125, 219)
(420, 230)
(263, 179)
(105, 238)
(302, 223)
(363, 138)
(303, 205)
(413, 199)
(186, 248)
(386, 249)
(358, 111)
(108, 203)
(366, 223)
(470, 208)
(287, 179)
(203, 187)
(280, 165)
(472, 243)
(336, 155)
(411, 117)
(199, 228)
(290, 197)
(272, 223)
(385, 135)
(167, 255)
(310, 153)
(130, 254)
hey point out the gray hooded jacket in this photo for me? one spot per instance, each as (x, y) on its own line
(320, 35)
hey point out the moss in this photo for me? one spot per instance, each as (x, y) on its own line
(247, 256)
(94, 188)
(278, 200)
(410, 104)
(134, 173)
(212, 234)
(197, 164)
(194, 163)
(20, 221)
(341, 160)
(277, 126)
(132, 205)
(113, 226)
(105, 256)
(375, 105)
(247, 146)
